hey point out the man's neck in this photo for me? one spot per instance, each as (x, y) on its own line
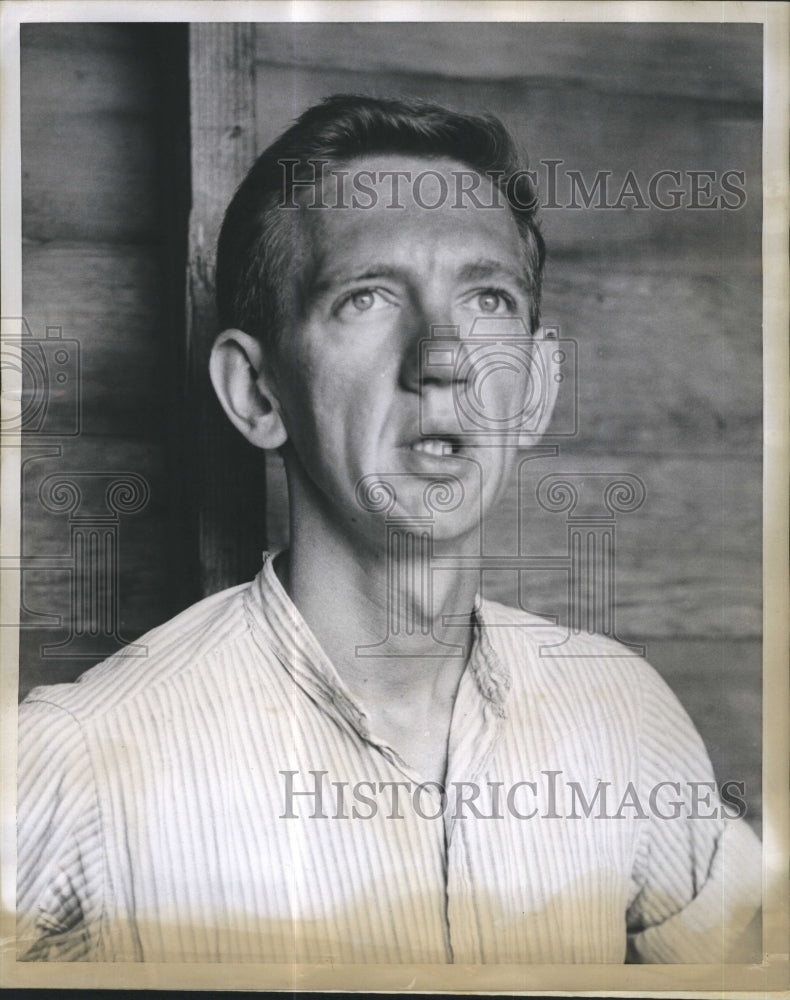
(391, 627)
(397, 632)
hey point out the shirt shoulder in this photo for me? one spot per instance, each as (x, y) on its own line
(543, 655)
(603, 692)
(187, 641)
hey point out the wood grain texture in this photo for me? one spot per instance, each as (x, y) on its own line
(106, 38)
(229, 474)
(669, 356)
(92, 267)
(143, 586)
(108, 298)
(89, 164)
(687, 561)
(711, 61)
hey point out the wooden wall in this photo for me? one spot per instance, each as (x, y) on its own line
(99, 257)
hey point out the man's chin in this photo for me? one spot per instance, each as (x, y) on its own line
(419, 493)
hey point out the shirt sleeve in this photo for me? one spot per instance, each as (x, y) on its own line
(697, 872)
(59, 848)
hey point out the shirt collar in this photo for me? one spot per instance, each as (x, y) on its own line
(491, 673)
(277, 624)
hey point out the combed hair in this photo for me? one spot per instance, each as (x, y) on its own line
(255, 281)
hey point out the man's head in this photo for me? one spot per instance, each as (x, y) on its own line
(339, 297)
(256, 287)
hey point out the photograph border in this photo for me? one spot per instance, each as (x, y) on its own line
(686, 980)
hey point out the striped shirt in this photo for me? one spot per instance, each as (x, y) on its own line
(224, 799)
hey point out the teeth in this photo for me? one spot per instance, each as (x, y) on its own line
(433, 446)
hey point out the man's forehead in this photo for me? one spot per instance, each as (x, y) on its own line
(384, 165)
(394, 209)
(392, 181)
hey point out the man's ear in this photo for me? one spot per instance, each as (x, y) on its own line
(546, 378)
(245, 389)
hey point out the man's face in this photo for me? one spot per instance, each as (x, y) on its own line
(354, 398)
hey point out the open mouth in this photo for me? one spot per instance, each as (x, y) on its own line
(438, 446)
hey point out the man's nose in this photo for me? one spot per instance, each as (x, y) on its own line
(431, 350)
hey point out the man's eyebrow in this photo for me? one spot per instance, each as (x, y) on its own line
(331, 279)
(482, 269)
(486, 268)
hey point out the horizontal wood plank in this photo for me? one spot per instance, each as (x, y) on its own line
(688, 561)
(669, 357)
(89, 466)
(88, 143)
(709, 61)
(107, 298)
(89, 178)
(100, 356)
(104, 37)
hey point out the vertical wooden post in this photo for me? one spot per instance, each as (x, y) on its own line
(229, 475)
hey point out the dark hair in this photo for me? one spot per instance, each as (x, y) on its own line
(255, 253)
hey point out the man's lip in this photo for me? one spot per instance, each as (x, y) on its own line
(433, 430)
(437, 444)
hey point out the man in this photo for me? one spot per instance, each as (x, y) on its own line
(355, 758)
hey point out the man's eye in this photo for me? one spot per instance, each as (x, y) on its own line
(492, 301)
(362, 301)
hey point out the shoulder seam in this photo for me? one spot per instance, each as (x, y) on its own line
(153, 684)
(185, 668)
